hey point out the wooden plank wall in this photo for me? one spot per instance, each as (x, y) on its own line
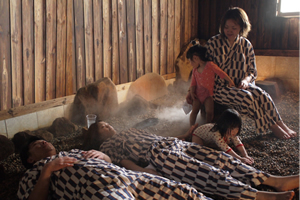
(51, 48)
(268, 31)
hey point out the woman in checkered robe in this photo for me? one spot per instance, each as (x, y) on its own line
(234, 54)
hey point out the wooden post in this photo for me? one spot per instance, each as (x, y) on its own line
(123, 41)
(5, 58)
(131, 40)
(147, 35)
(115, 44)
(61, 48)
(28, 49)
(39, 49)
(50, 48)
(16, 53)
(177, 29)
(171, 36)
(182, 23)
(155, 37)
(89, 43)
(139, 31)
(163, 36)
(79, 43)
(98, 38)
(70, 62)
(107, 39)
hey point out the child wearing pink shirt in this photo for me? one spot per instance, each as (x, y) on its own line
(202, 84)
(220, 134)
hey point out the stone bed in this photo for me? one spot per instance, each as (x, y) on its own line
(165, 117)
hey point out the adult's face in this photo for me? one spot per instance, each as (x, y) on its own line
(106, 131)
(231, 29)
(40, 149)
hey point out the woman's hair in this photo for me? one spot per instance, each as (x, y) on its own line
(240, 16)
(197, 50)
(228, 120)
(92, 138)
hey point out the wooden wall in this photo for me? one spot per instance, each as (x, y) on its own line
(269, 33)
(51, 48)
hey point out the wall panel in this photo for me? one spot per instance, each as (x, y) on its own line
(269, 32)
(51, 48)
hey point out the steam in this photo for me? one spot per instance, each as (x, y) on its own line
(174, 113)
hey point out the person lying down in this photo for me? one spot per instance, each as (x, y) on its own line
(79, 174)
(208, 171)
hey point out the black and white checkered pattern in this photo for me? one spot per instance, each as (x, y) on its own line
(238, 61)
(205, 169)
(208, 170)
(97, 179)
(131, 144)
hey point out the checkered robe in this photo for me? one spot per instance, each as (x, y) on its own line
(207, 170)
(132, 144)
(97, 179)
(238, 61)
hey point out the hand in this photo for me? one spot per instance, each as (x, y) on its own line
(247, 161)
(250, 158)
(231, 84)
(244, 84)
(93, 154)
(60, 163)
(193, 95)
(188, 98)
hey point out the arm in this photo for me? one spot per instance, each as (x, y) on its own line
(240, 147)
(193, 92)
(244, 153)
(243, 159)
(251, 66)
(222, 74)
(230, 81)
(128, 164)
(220, 142)
(187, 136)
(41, 189)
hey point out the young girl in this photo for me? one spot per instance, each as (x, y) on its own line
(225, 130)
(202, 84)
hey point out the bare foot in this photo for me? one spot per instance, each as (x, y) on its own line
(289, 131)
(275, 195)
(283, 183)
(279, 132)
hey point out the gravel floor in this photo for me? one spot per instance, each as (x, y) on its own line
(277, 157)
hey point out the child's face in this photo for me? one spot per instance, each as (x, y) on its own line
(231, 29)
(233, 132)
(105, 130)
(194, 61)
